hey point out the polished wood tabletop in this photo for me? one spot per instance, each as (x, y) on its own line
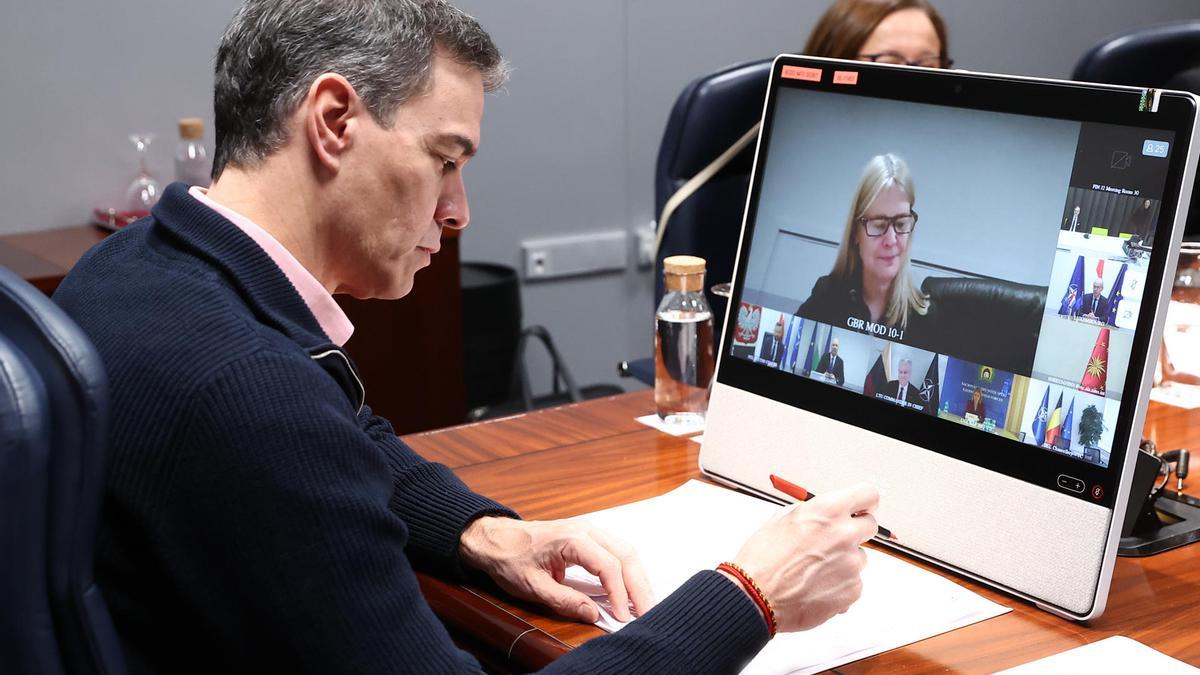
(588, 456)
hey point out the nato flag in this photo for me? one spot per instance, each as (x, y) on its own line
(1074, 294)
(1039, 420)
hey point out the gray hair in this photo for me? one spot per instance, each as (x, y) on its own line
(274, 49)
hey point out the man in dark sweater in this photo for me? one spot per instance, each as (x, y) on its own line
(258, 517)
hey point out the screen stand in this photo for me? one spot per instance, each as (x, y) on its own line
(1159, 522)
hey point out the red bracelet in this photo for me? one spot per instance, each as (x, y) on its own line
(755, 593)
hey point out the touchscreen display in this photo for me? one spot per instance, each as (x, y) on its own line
(984, 268)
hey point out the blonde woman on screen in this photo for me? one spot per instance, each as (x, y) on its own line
(870, 280)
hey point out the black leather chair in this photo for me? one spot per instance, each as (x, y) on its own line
(1166, 56)
(986, 321)
(27, 640)
(76, 397)
(708, 117)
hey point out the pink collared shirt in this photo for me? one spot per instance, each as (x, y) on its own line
(329, 315)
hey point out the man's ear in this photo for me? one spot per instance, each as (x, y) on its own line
(331, 117)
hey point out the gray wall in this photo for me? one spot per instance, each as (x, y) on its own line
(568, 148)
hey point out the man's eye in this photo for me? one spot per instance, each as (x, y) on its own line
(448, 165)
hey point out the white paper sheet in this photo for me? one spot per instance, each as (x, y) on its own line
(682, 429)
(1117, 654)
(698, 525)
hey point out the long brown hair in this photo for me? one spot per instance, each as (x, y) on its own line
(847, 24)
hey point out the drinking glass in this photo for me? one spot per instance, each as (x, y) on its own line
(144, 191)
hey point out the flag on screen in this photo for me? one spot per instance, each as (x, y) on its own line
(1054, 424)
(1115, 297)
(828, 344)
(1039, 420)
(1100, 268)
(929, 388)
(1095, 374)
(793, 349)
(812, 347)
(814, 354)
(877, 378)
(1072, 298)
(787, 345)
(747, 323)
(1064, 439)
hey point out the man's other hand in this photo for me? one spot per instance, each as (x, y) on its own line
(529, 559)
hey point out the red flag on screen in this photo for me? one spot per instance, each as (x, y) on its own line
(1096, 372)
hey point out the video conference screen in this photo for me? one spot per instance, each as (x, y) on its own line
(981, 267)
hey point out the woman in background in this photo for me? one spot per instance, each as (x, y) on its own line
(870, 279)
(909, 32)
(975, 406)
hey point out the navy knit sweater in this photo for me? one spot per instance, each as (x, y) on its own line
(258, 518)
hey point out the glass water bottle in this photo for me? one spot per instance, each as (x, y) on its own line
(192, 165)
(683, 343)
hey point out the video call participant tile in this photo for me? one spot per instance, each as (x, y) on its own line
(1086, 357)
(982, 397)
(1068, 421)
(1102, 213)
(1095, 289)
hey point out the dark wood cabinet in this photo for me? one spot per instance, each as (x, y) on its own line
(409, 352)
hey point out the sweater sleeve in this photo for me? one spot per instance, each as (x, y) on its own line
(432, 501)
(281, 533)
(708, 625)
(291, 543)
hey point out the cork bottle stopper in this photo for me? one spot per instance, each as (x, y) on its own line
(191, 128)
(684, 273)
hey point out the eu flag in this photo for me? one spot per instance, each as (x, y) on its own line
(1115, 297)
(1064, 439)
(1039, 420)
(1074, 295)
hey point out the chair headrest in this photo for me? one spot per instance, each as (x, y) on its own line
(1142, 57)
(1186, 80)
(984, 293)
(710, 114)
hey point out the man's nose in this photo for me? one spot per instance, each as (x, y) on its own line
(452, 208)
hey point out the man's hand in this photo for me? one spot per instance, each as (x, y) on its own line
(529, 558)
(808, 560)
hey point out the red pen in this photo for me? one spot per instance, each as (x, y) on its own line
(792, 490)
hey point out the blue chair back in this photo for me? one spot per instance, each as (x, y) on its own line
(1162, 56)
(76, 395)
(27, 641)
(709, 116)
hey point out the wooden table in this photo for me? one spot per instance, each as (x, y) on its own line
(593, 455)
(424, 389)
